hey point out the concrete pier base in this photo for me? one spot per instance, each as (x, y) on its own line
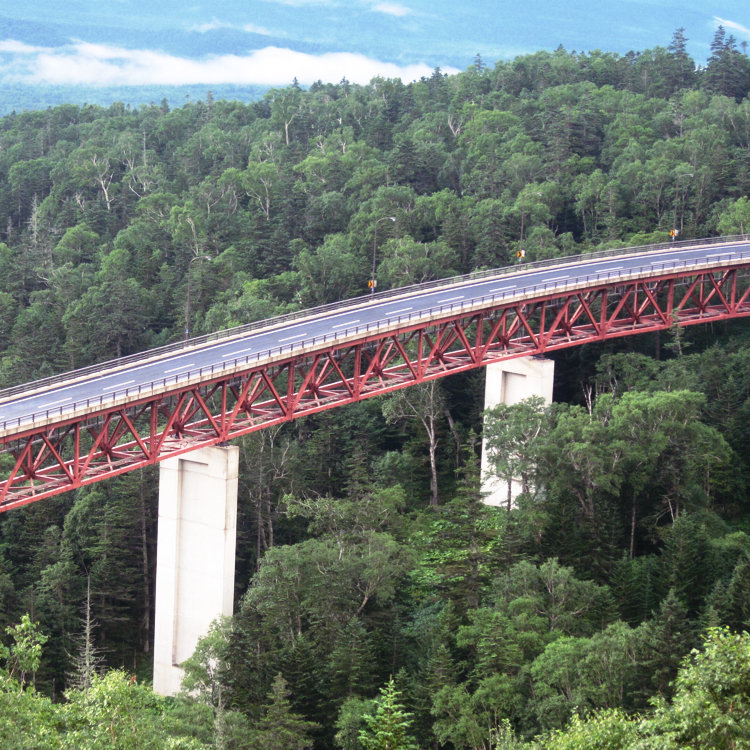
(508, 383)
(195, 555)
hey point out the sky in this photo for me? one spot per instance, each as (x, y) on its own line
(271, 42)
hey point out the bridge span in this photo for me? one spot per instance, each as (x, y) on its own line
(81, 427)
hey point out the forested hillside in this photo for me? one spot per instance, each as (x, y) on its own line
(368, 604)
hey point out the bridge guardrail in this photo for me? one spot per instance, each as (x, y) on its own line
(315, 341)
(102, 367)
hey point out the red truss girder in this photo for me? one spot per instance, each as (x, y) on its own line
(57, 458)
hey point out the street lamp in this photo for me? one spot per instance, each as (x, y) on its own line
(187, 300)
(675, 231)
(373, 280)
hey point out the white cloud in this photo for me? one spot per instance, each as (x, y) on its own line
(86, 64)
(19, 48)
(732, 26)
(203, 28)
(392, 9)
(250, 28)
(301, 3)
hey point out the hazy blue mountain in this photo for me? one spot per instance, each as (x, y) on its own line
(47, 46)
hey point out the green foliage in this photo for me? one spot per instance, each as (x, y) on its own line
(606, 730)
(736, 218)
(642, 455)
(297, 585)
(630, 535)
(667, 637)
(104, 535)
(711, 704)
(27, 719)
(709, 708)
(350, 722)
(205, 669)
(459, 545)
(388, 727)
(116, 711)
(543, 151)
(514, 436)
(25, 653)
(476, 719)
(279, 727)
(579, 674)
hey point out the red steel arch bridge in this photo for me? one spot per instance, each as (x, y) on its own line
(81, 427)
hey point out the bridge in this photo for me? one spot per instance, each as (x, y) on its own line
(88, 425)
(85, 426)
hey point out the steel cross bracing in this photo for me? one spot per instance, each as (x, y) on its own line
(44, 461)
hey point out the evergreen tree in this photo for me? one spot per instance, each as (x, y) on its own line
(388, 728)
(667, 638)
(351, 664)
(279, 727)
(682, 71)
(728, 70)
(349, 723)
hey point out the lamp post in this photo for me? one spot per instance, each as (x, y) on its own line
(674, 232)
(373, 280)
(187, 299)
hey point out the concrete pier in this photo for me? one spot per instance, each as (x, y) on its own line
(195, 555)
(508, 383)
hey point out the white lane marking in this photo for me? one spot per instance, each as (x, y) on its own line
(348, 323)
(181, 367)
(501, 289)
(450, 299)
(405, 309)
(52, 403)
(298, 336)
(240, 351)
(119, 385)
(715, 255)
(556, 278)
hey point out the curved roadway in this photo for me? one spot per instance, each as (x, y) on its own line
(353, 319)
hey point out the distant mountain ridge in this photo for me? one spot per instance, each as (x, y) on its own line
(20, 98)
(426, 34)
(17, 95)
(174, 41)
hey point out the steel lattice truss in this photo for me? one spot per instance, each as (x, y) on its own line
(45, 461)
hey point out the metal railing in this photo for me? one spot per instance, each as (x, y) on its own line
(277, 352)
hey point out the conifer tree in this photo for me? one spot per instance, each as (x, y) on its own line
(87, 661)
(682, 72)
(668, 637)
(280, 728)
(728, 70)
(389, 728)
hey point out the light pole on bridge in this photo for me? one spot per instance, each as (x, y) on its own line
(187, 299)
(373, 280)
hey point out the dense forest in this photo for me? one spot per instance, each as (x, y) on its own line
(375, 609)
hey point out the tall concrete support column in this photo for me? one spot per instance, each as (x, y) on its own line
(195, 555)
(508, 383)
